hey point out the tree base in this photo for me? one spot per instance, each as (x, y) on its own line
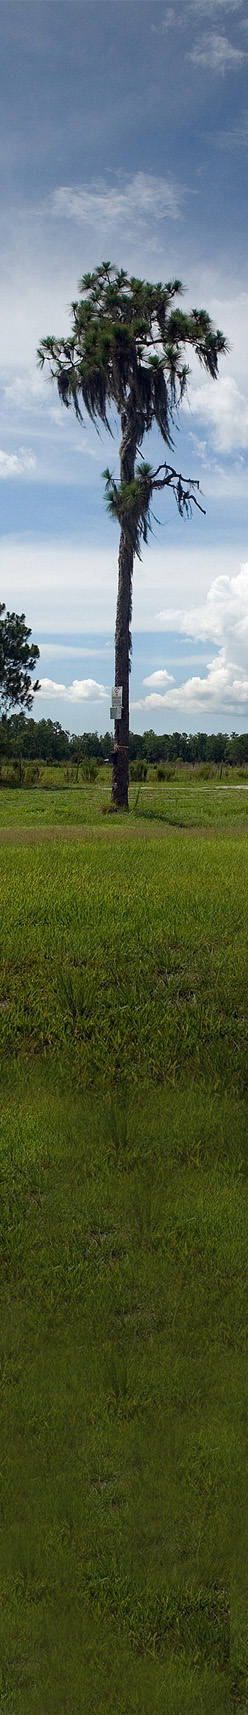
(120, 777)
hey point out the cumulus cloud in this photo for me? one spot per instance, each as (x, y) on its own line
(69, 589)
(225, 687)
(16, 464)
(81, 691)
(143, 197)
(225, 409)
(161, 677)
(216, 53)
(224, 618)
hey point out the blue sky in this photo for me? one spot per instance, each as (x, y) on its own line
(124, 132)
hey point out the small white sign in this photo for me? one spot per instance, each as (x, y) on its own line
(116, 703)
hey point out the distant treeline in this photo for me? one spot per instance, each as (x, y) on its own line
(45, 740)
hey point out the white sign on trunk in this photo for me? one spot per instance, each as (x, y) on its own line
(116, 703)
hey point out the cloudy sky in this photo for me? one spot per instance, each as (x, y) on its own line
(124, 132)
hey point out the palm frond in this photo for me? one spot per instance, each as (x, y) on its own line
(130, 502)
(162, 405)
(127, 347)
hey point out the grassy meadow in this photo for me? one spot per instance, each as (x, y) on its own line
(123, 1251)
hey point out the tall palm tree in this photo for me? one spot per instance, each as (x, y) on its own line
(127, 348)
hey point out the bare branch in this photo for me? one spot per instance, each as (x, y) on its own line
(174, 479)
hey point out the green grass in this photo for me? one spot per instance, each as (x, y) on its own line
(131, 957)
(123, 1260)
(198, 805)
(124, 1379)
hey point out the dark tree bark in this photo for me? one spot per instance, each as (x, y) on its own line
(122, 667)
(120, 770)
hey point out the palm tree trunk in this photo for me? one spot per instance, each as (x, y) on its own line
(120, 770)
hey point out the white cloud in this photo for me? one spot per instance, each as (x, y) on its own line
(224, 688)
(144, 197)
(225, 408)
(36, 289)
(166, 23)
(25, 390)
(62, 586)
(230, 312)
(40, 271)
(16, 464)
(67, 651)
(216, 53)
(215, 6)
(199, 8)
(66, 588)
(161, 677)
(235, 138)
(224, 618)
(81, 691)
(200, 447)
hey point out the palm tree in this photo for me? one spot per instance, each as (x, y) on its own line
(127, 349)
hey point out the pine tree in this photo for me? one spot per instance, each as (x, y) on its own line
(127, 349)
(17, 661)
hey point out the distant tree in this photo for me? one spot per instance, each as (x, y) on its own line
(201, 746)
(196, 747)
(151, 746)
(105, 746)
(216, 747)
(237, 748)
(86, 744)
(127, 350)
(17, 661)
(136, 746)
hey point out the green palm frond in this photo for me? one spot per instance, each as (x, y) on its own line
(130, 502)
(162, 405)
(127, 349)
(128, 341)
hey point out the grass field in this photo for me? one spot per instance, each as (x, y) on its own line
(123, 1165)
(199, 806)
